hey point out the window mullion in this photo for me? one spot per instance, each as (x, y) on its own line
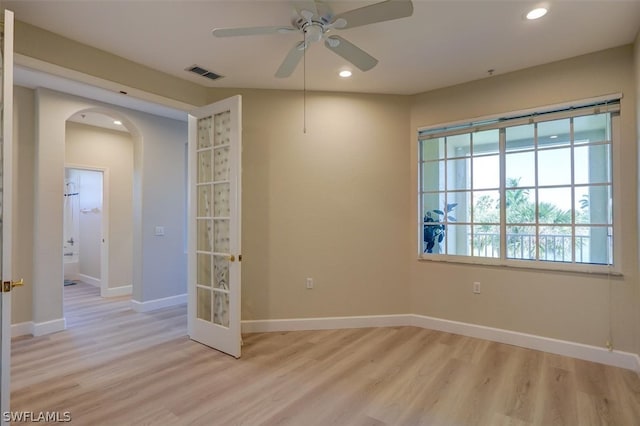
(573, 193)
(471, 198)
(446, 189)
(536, 195)
(502, 149)
(420, 198)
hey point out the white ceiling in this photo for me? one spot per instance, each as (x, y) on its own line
(443, 43)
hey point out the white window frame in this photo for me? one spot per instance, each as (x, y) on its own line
(601, 104)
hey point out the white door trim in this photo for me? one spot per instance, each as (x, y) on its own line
(7, 214)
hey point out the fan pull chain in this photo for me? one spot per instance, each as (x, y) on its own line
(304, 85)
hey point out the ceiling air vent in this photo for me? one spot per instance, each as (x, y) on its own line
(203, 72)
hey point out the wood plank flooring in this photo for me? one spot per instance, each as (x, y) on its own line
(113, 366)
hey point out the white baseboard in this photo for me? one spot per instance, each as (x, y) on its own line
(123, 290)
(296, 324)
(555, 346)
(165, 302)
(37, 329)
(602, 355)
(89, 280)
(22, 329)
(48, 327)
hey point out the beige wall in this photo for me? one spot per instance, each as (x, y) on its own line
(22, 256)
(566, 306)
(95, 147)
(325, 204)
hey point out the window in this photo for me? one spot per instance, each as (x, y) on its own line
(536, 188)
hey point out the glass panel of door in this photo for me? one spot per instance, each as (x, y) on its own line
(213, 216)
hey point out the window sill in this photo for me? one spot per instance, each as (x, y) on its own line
(526, 265)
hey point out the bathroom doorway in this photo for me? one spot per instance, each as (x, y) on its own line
(83, 226)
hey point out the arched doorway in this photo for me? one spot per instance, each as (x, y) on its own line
(50, 189)
(98, 203)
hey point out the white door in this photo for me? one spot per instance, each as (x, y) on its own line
(5, 212)
(215, 148)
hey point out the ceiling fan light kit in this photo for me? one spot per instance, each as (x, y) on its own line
(315, 21)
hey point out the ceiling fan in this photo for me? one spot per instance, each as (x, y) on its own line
(315, 20)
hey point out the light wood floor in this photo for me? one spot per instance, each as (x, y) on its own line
(117, 367)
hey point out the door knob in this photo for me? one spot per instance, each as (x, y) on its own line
(232, 258)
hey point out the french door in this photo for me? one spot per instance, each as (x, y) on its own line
(6, 121)
(214, 255)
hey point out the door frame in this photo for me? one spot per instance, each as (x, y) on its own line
(104, 225)
(7, 215)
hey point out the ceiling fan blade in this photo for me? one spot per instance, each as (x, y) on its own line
(324, 11)
(291, 60)
(351, 53)
(378, 12)
(233, 32)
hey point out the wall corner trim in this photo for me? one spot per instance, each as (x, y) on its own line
(600, 355)
(48, 327)
(165, 302)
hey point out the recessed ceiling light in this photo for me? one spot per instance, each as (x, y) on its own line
(537, 13)
(344, 73)
(117, 122)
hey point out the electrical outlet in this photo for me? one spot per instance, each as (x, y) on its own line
(476, 287)
(309, 283)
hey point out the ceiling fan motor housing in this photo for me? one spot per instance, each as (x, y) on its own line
(313, 31)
